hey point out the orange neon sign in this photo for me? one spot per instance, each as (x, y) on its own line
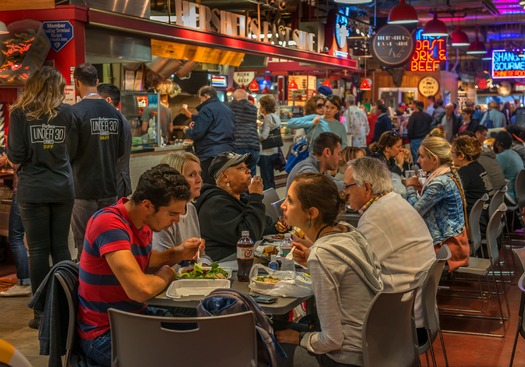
(429, 53)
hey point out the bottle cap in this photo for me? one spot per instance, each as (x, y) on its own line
(273, 258)
(245, 233)
(287, 235)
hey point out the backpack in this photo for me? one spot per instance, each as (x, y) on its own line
(229, 301)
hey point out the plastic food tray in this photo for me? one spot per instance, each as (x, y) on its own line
(195, 287)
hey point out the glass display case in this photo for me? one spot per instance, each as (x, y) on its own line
(142, 110)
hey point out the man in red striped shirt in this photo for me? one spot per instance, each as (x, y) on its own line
(118, 267)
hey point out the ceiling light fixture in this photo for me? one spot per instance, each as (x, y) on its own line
(402, 13)
(435, 28)
(365, 85)
(254, 86)
(459, 38)
(476, 47)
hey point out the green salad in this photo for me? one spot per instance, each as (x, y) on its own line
(199, 272)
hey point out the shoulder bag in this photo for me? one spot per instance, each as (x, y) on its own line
(274, 138)
(299, 151)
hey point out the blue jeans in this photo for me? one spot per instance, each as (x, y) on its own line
(414, 148)
(16, 242)
(99, 349)
(47, 231)
(82, 211)
(266, 168)
(255, 158)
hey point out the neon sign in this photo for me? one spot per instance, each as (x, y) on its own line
(507, 64)
(429, 53)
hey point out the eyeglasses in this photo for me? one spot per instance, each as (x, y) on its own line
(320, 105)
(349, 186)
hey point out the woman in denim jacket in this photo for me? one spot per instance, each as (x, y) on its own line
(439, 200)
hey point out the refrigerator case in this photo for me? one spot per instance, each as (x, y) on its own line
(142, 110)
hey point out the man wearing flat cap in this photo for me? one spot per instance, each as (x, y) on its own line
(232, 206)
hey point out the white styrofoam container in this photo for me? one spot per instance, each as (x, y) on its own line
(195, 287)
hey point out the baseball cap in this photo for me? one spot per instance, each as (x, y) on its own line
(226, 160)
(402, 104)
(325, 91)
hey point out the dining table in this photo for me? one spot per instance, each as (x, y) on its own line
(282, 306)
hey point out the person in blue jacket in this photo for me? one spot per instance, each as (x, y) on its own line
(383, 123)
(212, 130)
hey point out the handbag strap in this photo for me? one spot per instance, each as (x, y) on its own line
(311, 133)
(463, 200)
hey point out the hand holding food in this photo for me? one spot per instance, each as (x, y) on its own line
(188, 249)
(256, 185)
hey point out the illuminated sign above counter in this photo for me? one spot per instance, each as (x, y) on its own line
(507, 64)
(429, 53)
(203, 18)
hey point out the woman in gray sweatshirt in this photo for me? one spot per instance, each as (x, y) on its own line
(345, 272)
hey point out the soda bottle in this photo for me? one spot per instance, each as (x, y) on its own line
(244, 256)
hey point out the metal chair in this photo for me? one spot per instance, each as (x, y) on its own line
(270, 196)
(139, 340)
(497, 199)
(389, 333)
(486, 268)
(430, 310)
(71, 294)
(473, 221)
(520, 328)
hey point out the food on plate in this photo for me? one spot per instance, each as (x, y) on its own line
(200, 272)
(270, 250)
(267, 279)
(274, 237)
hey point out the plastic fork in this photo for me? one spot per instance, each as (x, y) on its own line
(289, 256)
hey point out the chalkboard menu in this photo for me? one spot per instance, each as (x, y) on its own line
(392, 45)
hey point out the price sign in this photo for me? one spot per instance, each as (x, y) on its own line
(243, 77)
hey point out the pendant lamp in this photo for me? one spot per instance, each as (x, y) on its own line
(459, 38)
(365, 84)
(476, 47)
(254, 86)
(292, 84)
(435, 28)
(327, 83)
(402, 13)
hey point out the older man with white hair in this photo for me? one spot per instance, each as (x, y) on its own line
(395, 230)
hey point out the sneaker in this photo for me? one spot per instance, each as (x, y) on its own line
(17, 291)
